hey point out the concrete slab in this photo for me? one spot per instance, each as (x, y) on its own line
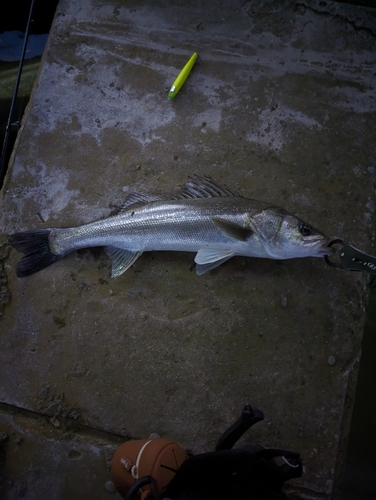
(280, 107)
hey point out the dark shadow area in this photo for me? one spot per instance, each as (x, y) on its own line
(360, 471)
(14, 15)
(13, 24)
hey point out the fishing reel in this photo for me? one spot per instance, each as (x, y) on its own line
(156, 469)
(144, 467)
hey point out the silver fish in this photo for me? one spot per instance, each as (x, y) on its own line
(207, 218)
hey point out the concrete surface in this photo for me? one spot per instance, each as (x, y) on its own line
(281, 107)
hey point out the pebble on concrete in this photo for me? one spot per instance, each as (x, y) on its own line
(332, 360)
(110, 487)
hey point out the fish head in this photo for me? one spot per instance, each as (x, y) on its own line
(286, 236)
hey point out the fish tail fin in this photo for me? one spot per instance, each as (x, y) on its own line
(35, 245)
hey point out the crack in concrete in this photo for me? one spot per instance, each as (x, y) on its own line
(82, 429)
(335, 16)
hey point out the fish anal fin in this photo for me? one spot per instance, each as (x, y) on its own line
(121, 259)
(232, 229)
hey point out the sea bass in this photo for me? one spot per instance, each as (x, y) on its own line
(205, 217)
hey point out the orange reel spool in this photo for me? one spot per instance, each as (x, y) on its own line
(159, 458)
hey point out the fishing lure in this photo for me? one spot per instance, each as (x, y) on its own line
(182, 76)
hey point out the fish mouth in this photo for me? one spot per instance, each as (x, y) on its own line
(323, 249)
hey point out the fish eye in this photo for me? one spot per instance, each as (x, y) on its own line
(305, 229)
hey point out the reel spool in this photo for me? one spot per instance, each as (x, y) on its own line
(139, 465)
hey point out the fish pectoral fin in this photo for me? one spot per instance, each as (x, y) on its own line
(232, 229)
(121, 259)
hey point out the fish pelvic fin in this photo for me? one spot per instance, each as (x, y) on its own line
(203, 268)
(208, 266)
(36, 247)
(209, 258)
(232, 229)
(121, 259)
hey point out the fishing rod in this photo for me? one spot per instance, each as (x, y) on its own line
(4, 151)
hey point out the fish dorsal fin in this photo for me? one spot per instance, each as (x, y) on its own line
(205, 187)
(135, 200)
(232, 229)
(121, 259)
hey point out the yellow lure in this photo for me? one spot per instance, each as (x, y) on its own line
(182, 76)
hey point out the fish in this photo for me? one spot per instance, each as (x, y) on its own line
(205, 217)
